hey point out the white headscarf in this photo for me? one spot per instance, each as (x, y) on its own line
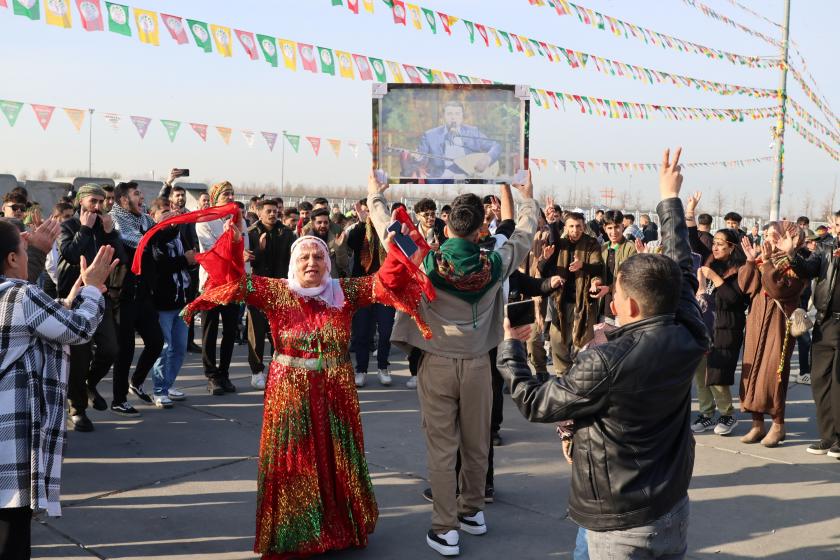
(329, 291)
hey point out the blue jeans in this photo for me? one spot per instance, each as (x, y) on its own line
(169, 363)
(365, 321)
(665, 538)
(581, 546)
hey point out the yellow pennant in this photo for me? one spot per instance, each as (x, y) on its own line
(396, 72)
(58, 13)
(289, 51)
(148, 30)
(335, 145)
(222, 39)
(345, 64)
(224, 132)
(495, 36)
(76, 116)
(414, 10)
(437, 77)
(368, 4)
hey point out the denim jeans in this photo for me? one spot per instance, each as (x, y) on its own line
(171, 358)
(665, 538)
(581, 546)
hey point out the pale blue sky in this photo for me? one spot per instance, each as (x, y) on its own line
(74, 68)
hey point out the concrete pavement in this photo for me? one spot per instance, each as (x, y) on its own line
(181, 483)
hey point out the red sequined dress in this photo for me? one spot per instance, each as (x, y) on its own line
(314, 492)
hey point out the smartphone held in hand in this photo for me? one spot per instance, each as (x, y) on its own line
(521, 313)
(404, 242)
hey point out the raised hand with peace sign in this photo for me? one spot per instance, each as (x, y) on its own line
(670, 178)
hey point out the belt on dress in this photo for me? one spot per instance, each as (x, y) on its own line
(311, 364)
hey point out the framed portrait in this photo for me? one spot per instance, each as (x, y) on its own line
(450, 133)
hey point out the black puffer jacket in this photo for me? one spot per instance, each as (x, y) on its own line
(631, 400)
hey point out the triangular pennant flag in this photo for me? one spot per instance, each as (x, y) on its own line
(444, 20)
(171, 128)
(147, 27)
(364, 67)
(43, 113)
(294, 141)
(345, 65)
(175, 25)
(201, 35)
(142, 125)
(268, 48)
(288, 50)
(27, 8)
(506, 37)
(430, 19)
(11, 109)
(416, 20)
(483, 32)
(437, 77)
(201, 130)
(471, 29)
(337, 3)
(354, 146)
(76, 116)
(327, 61)
(396, 73)
(223, 39)
(307, 57)
(378, 69)
(249, 137)
(91, 13)
(413, 74)
(399, 11)
(224, 132)
(113, 120)
(270, 139)
(118, 19)
(335, 145)
(353, 6)
(246, 39)
(426, 74)
(57, 12)
(316, 144)
(452, 78)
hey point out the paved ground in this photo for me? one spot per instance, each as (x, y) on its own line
(180, 483)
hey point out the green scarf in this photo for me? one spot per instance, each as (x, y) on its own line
(462, 269)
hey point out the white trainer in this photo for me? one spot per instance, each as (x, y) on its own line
(360, 378)
(473, 524)
(177, 394)
(258, 381)
(411, 383)
(445, 544)
(162, 401)
(384, 377)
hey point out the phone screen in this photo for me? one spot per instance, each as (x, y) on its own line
(404, 242)
(521, 313)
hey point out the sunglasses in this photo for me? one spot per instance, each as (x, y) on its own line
(18, 207)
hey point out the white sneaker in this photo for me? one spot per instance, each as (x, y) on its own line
(804, 379)
(258, 381)
(411, 383)
(360, 378)
(445, 544)
(162, 401)
(177, 394)
(384, 377)
(473, 524)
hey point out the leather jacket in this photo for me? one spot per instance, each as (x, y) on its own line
(630, 399)
(821, 265)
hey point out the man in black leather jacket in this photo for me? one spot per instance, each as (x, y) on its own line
(630, 399)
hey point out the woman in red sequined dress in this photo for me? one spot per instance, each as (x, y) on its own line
(314, 492)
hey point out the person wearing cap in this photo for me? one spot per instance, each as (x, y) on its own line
(82, 236)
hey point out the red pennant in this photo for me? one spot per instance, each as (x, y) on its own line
(353, 5)
(399, 12)
(246, 38)
(444, 20)
(175, 26)
(307, 57)
(363, 65)
(483, 32)
(316, 143)
(517, 43)
(453, 79)
(91, 13)
(200, 129)
(413, 74)
(44, 114)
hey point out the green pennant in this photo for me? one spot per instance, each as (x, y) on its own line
(471, 29)
(389, 3)
(27, 8)
(11, 109)
(426, 74)
(337, 3)
(327, 61)
(536, 97)
(118, 19)
(506, 37)
(294, 140)
(584, 58)
(171, 128)
(537, 46)
(464, 78)
(201, 35)
(430, 18)
(378, 69)
(268, 46)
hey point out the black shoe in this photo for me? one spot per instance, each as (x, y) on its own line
(193, 348)
(227, 385)
(496, 439)
(215, 388)
(427, 495)
(834, 451)
(96, 400)
(124, 409)
(819, 448)
(489, 495)
(140, 393)
(81, 423)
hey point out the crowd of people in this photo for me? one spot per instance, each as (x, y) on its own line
(628, 317)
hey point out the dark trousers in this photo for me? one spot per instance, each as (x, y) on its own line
(803, 344)
(497, 412)
(825, 378)
(257, 329)
(139, 316)
(365, 322)
(229, 315)
(88, 368)
(15, 533)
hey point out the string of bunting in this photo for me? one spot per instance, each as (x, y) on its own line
(815, 99)
(619, 28)
(754, 13)
(338, 63)
(810, 137)
(709, 12)
(619, 167)
(416, 15)
(813, 122)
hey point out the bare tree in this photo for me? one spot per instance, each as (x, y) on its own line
(719, 202)
(808, 203)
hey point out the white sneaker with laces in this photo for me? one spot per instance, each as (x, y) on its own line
(411, 383)
(804, 379)
(473, 524)
(177, 394)
(384, 377)
(725, 424)
(258, 381)
(360, 378)
(445, 544)
(162, 401)
(702, 424)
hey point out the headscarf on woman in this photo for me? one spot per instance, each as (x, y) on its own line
(329, 291)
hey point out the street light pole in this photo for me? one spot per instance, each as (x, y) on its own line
(776, 195)
(90, 144)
